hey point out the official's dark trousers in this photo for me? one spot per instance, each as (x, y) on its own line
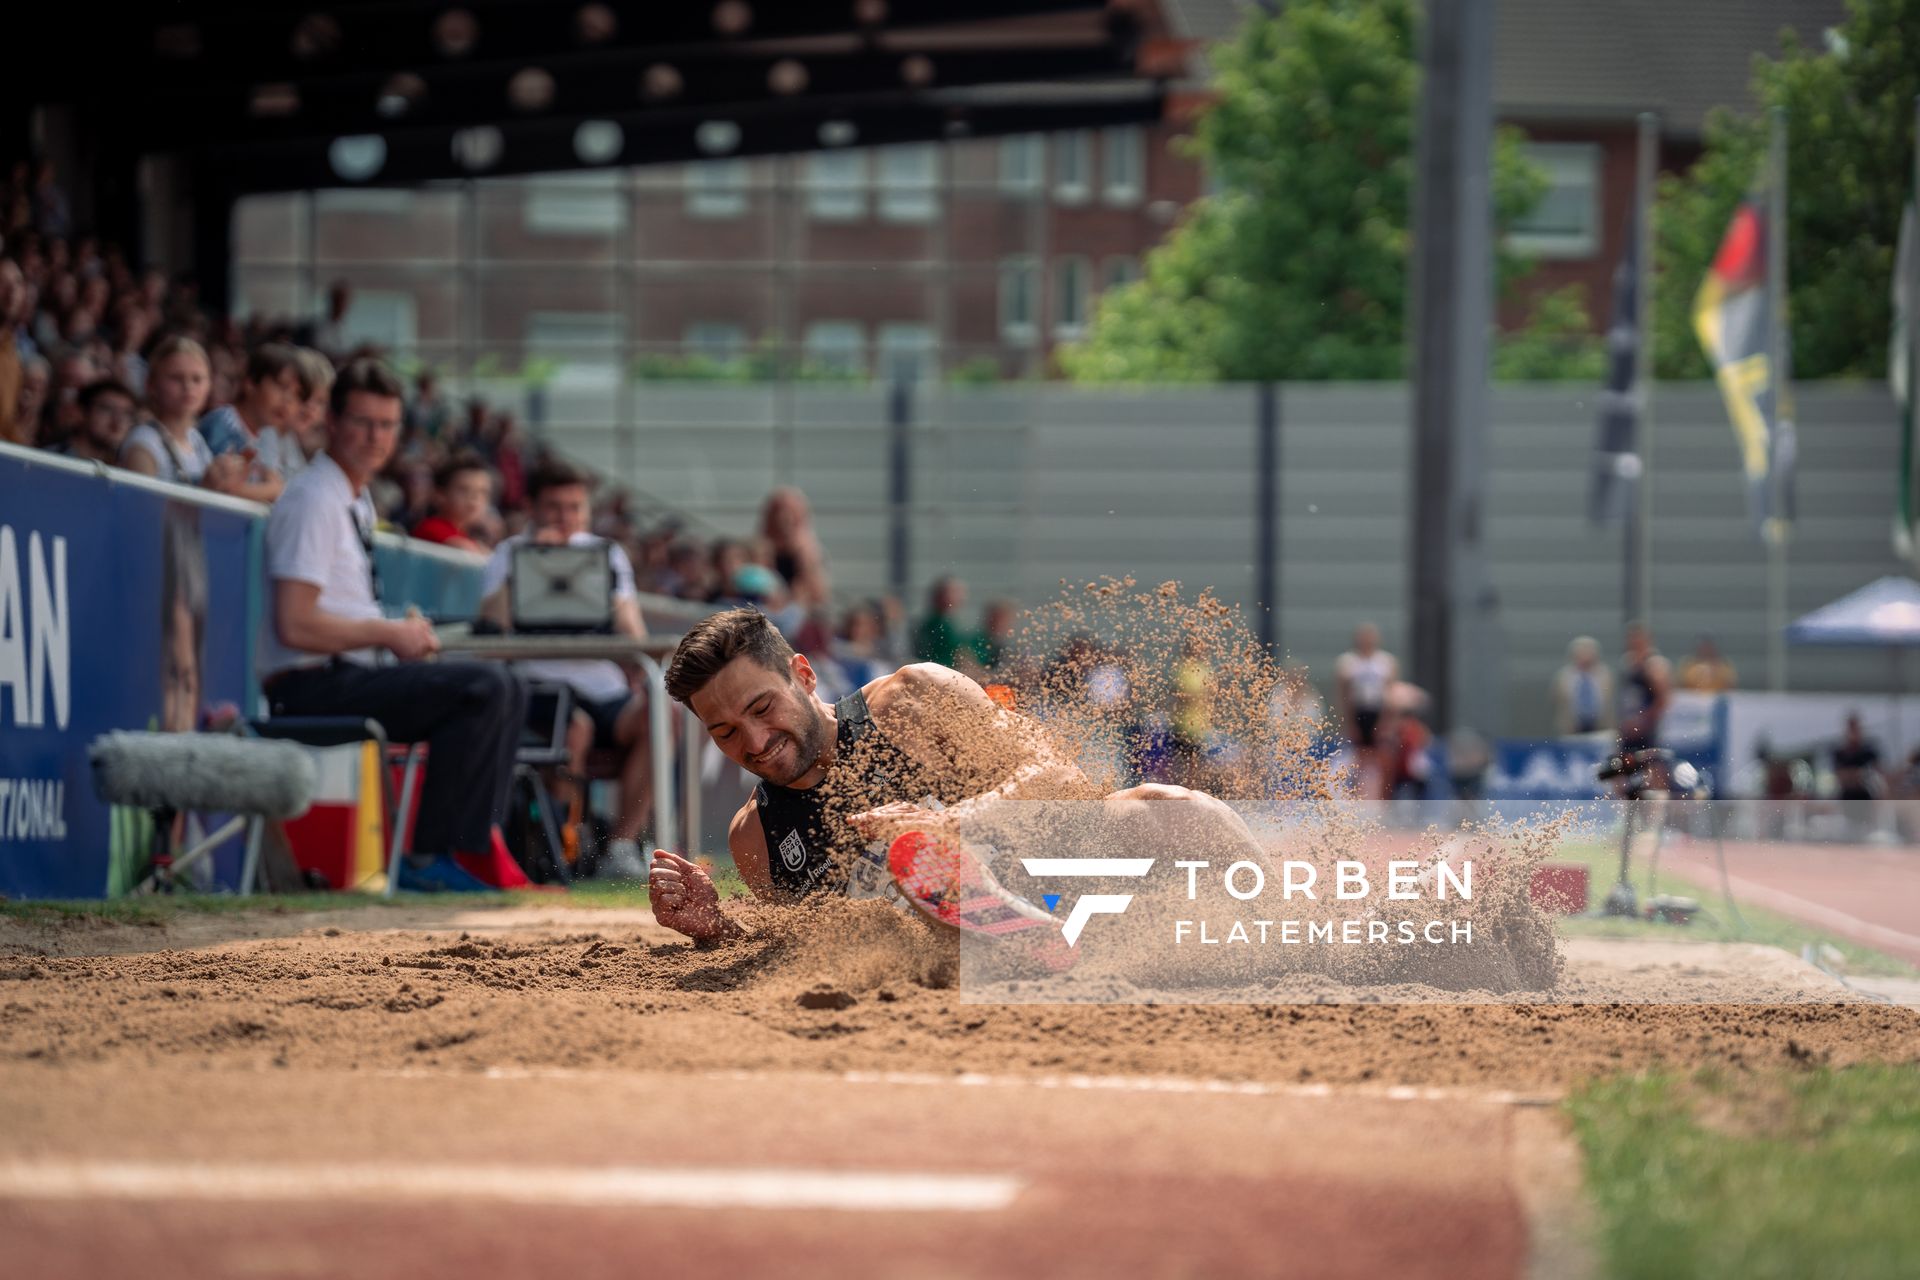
(468, 713)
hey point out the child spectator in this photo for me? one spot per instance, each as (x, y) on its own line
(462, 497)
(289, 449)
(169, 446)
(271, 391)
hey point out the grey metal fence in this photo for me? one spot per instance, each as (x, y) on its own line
(1013, 487)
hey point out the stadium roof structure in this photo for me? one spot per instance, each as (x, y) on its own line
(265, 95)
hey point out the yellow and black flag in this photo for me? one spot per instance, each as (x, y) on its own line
(1734, 313)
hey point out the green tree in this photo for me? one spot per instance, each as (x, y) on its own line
(1297, 268)
(1849, 169)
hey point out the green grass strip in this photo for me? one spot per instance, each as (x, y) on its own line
(1735, 1175)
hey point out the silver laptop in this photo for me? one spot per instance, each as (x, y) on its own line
(561, 588)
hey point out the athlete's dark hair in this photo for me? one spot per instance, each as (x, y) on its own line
(718, 639)
(367, 375)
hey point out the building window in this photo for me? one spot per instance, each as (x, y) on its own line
(1023, 162)
(837, 186)
(837, 346)
(1566, 222)
(715, 339)
(584, 346)
(1073, 167)
(906, 352)
(909, 179)
(1069, 297)
(1018, 303)
(380, 317)
(574, 204)
(717, 189)
(1119, 271)
(1123, 164)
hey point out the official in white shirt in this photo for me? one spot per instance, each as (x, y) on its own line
(325, 638)
(562, 500)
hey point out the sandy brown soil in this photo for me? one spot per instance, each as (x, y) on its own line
(553, 987)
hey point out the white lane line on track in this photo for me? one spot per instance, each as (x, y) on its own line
(807, 1189)
(1110, 1084)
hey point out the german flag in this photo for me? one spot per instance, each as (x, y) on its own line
(1734, 313)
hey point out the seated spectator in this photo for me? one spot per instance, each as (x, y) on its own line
(168, 445)
(1583, 690)
(652, 553)
(289, 449)
(1856, 763)
(73, 369)
(36, 378)
(993, 646)
(786, 525)
(226, 366)
(611, 715)
(686, 571)
(757, 585)
(729, 556)
(107, 409)
(1705, 671)
(462, 500)
(429, 414)
(271, 391)
(330, 334)
(861, 647)
(132, 326)
(940, 636)
(510, 462)
(325, 635)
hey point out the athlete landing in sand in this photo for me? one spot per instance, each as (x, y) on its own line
(834, 777)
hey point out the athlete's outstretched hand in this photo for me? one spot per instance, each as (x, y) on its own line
(684, 898)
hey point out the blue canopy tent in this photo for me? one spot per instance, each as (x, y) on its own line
(1883, 614)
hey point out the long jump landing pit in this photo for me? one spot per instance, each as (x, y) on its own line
(424, 1091)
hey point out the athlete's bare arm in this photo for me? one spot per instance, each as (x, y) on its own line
(747, 841)
(683, 894)
(947, 724)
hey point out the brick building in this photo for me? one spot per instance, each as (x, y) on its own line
(971, 257)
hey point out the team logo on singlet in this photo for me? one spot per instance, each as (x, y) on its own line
(792, 852)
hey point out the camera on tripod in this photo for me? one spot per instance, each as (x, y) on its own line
(1641, 769)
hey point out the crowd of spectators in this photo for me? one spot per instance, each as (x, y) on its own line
(123, 368)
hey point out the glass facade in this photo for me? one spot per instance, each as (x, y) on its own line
(842, 265)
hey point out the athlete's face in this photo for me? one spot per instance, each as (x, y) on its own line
(765, 722)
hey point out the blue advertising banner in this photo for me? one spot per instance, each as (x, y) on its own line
(128, 604)
(1694, 729)
(110, 601)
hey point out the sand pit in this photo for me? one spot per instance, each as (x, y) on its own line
(549, 986)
